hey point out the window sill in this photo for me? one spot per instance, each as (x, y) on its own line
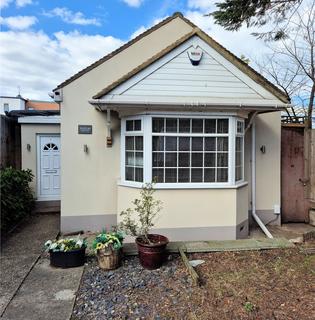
(161, 186)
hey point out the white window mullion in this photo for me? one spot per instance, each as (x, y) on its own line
(232, 134)
(147, 149)
(122, 150)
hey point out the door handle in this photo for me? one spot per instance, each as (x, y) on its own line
(304, 181)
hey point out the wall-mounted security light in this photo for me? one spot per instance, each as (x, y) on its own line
(263, 149)
(28, 147)
(85, 148)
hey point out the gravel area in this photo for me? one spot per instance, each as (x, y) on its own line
(132, 292)
(267, 284)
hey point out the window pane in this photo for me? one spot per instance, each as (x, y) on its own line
(222, 175)
(170, 159)
(139, 174)
(210, 125)
(129, 125)
(171, 125)
(240, 126)
(157, 143)
(197, 125)
(183, 175)
(139, 159)
(170, 175)
(139, 143)
(196, 159)
(238, 145)
(130, 143)
(196, 175)
(210, 144)
(158, 124)
(158, 175)
(222, 159)
(129, 173)
(130, 159)
(238, 158)
(209, 175)
(137, 125)
(171, 143)
(197, 144)
(209, 160)
(223, 126)
(238, 173)
(223, 144)
(158, 159)
(184, 125)
(184, 143)
(183, 159)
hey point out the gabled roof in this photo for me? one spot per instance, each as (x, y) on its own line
(120, 49)
(240, 64)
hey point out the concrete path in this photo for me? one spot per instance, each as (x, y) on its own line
(47, 293)
(20, 252)
(29, 287)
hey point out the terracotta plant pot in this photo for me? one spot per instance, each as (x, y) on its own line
(109, 259)
(153, 255)
(69, 259)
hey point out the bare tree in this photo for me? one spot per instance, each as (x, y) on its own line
(291, 65)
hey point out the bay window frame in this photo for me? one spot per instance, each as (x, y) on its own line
(146, 132)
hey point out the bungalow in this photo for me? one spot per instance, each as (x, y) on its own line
(175, 106)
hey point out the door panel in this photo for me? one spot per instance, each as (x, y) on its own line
(49, 159)
(293, 202)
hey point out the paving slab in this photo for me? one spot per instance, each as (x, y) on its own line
(21, 250)
(47, 293)
(216, 246)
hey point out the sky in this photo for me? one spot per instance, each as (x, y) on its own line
(42, 43)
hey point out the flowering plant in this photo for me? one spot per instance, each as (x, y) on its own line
(108, 240)
(65, 245)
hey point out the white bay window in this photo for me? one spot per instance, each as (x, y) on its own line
(182, 151)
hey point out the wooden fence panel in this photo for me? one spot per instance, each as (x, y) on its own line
(10, 133)
(312, 169)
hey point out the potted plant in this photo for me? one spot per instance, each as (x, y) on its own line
(108, 249)
(66, 253)
(151, 247)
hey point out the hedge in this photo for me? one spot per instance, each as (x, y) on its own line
(17, 200)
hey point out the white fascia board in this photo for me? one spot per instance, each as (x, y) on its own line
(181, 103)
(40, 119)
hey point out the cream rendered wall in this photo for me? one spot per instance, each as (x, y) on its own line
(29, 133)
(241, 204)
(187, 207)
(268, 174)
(268, 165)
(89, 181)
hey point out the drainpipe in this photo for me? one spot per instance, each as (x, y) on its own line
(255, 216)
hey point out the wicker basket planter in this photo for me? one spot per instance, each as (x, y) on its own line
(109, 259)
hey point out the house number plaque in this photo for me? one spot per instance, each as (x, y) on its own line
(84, 129)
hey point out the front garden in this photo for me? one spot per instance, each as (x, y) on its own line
(267, 284)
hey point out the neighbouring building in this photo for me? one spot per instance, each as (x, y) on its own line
(8, 103)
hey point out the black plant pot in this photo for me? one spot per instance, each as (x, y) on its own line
(70, 259)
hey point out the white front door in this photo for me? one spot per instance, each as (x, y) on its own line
(49, 167)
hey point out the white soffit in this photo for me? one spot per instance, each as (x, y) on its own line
(40, 119)
(173, 79)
